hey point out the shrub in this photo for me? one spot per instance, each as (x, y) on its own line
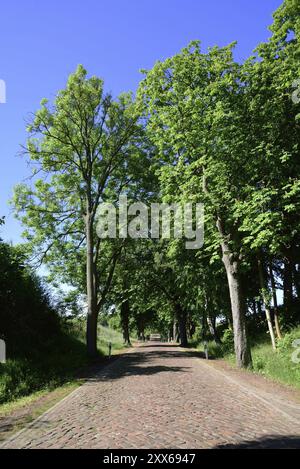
(285, 345)
(228, 342)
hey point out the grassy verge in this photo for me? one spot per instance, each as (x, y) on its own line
(28, 401)
(107, 335)
(54, 366)
(46, 370)
(278, 365)
(30, 387)
(14, 415)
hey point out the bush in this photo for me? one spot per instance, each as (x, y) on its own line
(285, 345)
(228, 342)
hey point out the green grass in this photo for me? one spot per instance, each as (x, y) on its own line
(21, 376)
(278, 365)
(56, 365)
(27, 401)
(106, 335)
(16, 414)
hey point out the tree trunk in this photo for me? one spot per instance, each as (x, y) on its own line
(266, 302)
(259, 308)
(296, 280)
(181, 318)
(192, 329)
(175, 331)
(204, 326)
(242, 351)
(125, 313)
(92, 312)
(288, 284)
(274, 294)
(211, 321)
(238, 306)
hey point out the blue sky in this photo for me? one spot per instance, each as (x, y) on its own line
(42, 42)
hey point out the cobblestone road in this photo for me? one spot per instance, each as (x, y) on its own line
(158, 396)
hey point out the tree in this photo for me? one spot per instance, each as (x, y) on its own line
(198, 120)
(82, 145)
(27, 316)
(270, 213)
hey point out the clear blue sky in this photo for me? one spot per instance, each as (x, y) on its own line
(41, 43)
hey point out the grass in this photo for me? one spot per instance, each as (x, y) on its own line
(278, 365)
(30, 387)
(14, 415)
(107, 335)
(27, 401)
(55, 366)
(23, 375)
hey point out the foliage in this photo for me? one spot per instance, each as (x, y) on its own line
(27, 316)
(202, 128)
(56, 364)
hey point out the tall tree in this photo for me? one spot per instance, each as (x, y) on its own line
(81, 144)
(198, 120)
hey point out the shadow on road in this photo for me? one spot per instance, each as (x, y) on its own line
(141, 363)
(267, 442)
(157, 344)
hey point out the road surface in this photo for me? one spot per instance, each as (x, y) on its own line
(160, 396)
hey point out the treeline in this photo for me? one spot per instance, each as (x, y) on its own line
(42, 352)
(27, 317)
(202, 128)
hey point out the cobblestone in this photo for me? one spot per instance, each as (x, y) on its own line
(159, 396)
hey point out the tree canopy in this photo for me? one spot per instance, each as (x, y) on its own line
(201, 128)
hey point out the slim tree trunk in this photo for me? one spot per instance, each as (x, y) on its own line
(266, 301)
(210, 318)
(175, 329)
(259, 308)
(274, 294)
(296, 280)
(125, 313)
(288, 284)
(181, 318)
(204, 326)
(92, 313)
(211, 321)
(238, 306)
(192, 330)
